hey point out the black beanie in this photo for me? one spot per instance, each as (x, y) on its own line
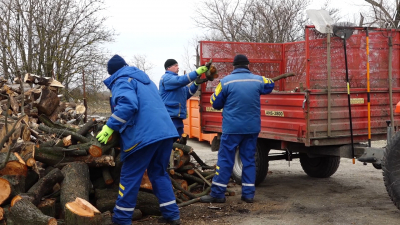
(115, 63)
(240, 60)
(170, 62)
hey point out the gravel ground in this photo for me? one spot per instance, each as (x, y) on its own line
(355, 194)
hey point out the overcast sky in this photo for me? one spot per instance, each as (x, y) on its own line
(161, 29)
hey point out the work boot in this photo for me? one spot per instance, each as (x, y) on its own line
(248, 200)
(171, 222)
(211, 199)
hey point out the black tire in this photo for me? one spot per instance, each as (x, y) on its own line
(261, 164)
(319, 167)
(391, 169)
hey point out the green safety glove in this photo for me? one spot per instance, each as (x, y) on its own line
(104, 134)
(200, 80)
(201, 70)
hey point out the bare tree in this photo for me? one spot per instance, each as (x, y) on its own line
(141, 62)
(384, 13)
(56, 38)
(253, 20)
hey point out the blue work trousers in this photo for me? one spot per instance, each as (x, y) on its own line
(226, 157)
(178, 122)
(154, 158)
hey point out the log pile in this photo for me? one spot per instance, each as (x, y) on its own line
(54, 171)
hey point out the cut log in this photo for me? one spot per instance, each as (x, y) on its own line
(35, 79)
(48, 102)
(5, 188)
(76, 183)
(17, 184)
(67, 140)
(87, 127)
(45, 185)
(146, 184)
(81, 212)
(50, 157)
(107, 176)
(48, 207)
(24, 212)
(20, 160)
(182, 183)
(30, 162)
(13, 166)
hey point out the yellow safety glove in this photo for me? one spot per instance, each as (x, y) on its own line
(201, 70)
(104, 134)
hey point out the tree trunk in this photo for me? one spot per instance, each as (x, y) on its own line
(107, 176)
(17, 185)
(5, 188)
(24, 212)
(76, 183)
(13, 166)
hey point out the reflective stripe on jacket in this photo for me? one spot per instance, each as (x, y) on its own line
(239, 96)
(138, 112)
(174, 92)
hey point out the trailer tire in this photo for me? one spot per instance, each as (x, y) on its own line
(261, 164)
(391, 168)
(319, 167)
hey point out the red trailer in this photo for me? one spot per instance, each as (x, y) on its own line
(307, 116)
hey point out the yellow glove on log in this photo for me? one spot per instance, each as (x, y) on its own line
(104, 134)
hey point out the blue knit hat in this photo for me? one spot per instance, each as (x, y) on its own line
(115, 63)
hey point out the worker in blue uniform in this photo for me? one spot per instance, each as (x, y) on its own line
(147, 134)
(174, 91)
(238, 94)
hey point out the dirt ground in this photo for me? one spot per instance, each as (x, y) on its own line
(355, 194)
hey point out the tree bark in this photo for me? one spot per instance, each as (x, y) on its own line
(76, 183)
(45, 185)
(24, 212)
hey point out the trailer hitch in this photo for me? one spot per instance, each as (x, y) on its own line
(372, 155)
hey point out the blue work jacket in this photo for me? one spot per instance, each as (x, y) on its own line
(138, 112)
(174, 92)
(238, 94)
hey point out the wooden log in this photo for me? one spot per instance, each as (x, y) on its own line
(116, 170)
(81, 212)
(45, 185)
(48, 207)
(63, 132)
(25, 133)
(13, 166)
(17, 184)
(35, 79)
(20, 160)
(50, 157)
(146, 184)
(76, 183)
(31, 178)
(30, 162)
(23, 211)
(87, 127)
(48, 102)
(5, 188)
(148, 203)
(182, 183)
(107, 176)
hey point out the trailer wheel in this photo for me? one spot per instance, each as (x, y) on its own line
(320, 167)
(261, 164)
(391, 168)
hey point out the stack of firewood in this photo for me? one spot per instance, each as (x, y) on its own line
(54, 171)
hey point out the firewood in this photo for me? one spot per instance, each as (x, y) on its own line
(67, 140)
(30, 162)
(146, 184)
(44, 185)
(182, 183)
(20, 160)
(48, 207)
(24, 212)
(64, 133)
(48, 102)
(50, 157)
(87, 127)
(107, 176)
(76, 183)
(13, 166)
(35, 79)
(81, 212)
(31, 178)
(25, 133)
(5, 188)
(17, 184)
